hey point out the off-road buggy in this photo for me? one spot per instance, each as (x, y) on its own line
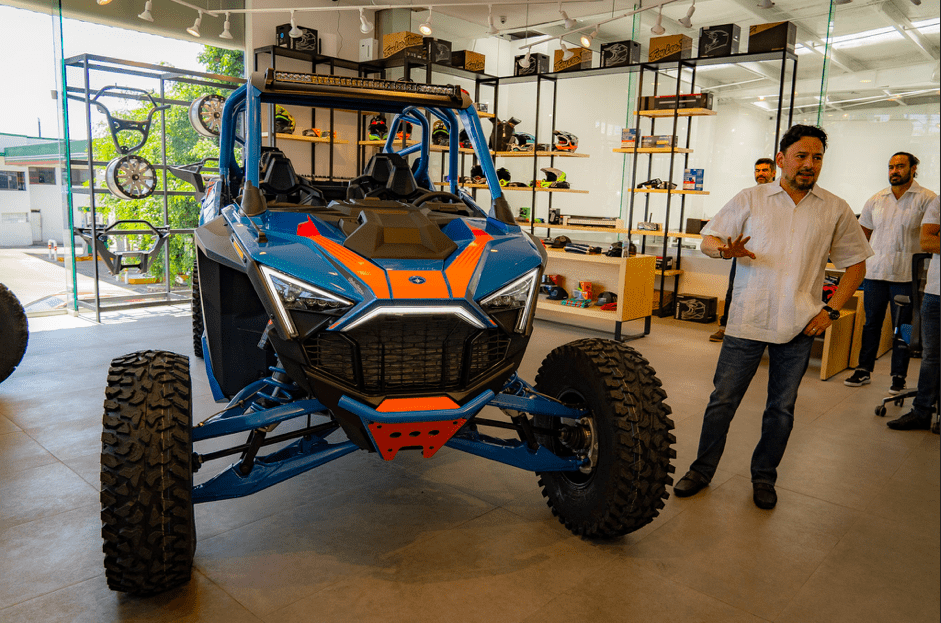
(382, 309)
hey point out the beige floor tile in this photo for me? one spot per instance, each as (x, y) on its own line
(41, 492)
(755, 560)
(92, 601)
(880, 572)
(18, 451)
(6, 426)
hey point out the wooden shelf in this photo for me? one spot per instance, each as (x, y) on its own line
(584, 257)
(305, 139)
(668, 273)
(675, 191)
(652, 150)
(659, 234)
(523, 188)
(381, 143)
(589, 312)
(444, 149)
(538, 154)
(599, 230)
(682, 112)
(485, 115)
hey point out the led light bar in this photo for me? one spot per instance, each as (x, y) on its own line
(375, 88)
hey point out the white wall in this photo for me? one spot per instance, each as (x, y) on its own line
(15, 202)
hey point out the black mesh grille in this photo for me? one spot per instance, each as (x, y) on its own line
(408, 354)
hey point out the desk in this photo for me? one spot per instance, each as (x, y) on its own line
(842, 340)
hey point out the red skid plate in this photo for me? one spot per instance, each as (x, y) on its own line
(429, 436)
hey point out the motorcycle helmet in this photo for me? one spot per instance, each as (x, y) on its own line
(440, 134)
(378, 128)
(477, 174)
(522, 141)
(283, 121)
(503, 175)
(408, 130)
(564, 141)
(555, 178)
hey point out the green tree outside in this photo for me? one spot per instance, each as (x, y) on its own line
(183, 146)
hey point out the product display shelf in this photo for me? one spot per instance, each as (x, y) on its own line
(381, 143)
(659, 234)
(651, 150)
(680, 112)
(538, 154)
(305, 139)
(520, 188)
(597, 230)
(631, 278)
(674, 191)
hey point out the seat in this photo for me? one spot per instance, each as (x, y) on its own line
(279, 181)
(908, 336)
(386, 176)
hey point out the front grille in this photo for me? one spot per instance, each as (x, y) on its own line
(407, 354)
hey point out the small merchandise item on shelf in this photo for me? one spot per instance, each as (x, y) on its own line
(555, 216)
(502, 133)
(557, 293)
(648, 226)
(629, 137)
(564, 141)
(572, 302)
(378, 128)
(584, 290)
(593, 221)
(440, 134)
(283, 120)
(692, 179)
(521, 141)
(523, 216)
(658, 140)
(664, 263)
(548, 282)
(607, 301)
(695, 225)
(584, 249)
(657, 183)
(559, 242)
(615, 249)
(670, 102)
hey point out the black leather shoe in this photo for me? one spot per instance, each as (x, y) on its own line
(690, 484)
(764, 495)
(911, 421)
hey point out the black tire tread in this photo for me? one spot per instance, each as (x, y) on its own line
(632, 494)
(14, 332)
(197, 310)
(147, 516)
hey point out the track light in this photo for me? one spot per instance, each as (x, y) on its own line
(526, 60)
(194, 29)
(916, 2)
(225, 27)
(687, 21)
(295, 32)
(493, 30)
(364, 25)
(586, 39)
(104, 2)
(658, 29)
(566, 53)
(146, 16)
(842, 1)
(425, 28)
(765, 4)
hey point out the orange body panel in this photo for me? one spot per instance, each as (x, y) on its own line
(429, 436)
(431, 403)
(373, 276)
(433, 287)
(461, 270)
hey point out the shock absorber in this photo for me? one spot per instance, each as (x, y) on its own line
(281, 388)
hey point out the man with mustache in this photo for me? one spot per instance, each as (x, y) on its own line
(765, 172)
(891, 220)
(782, 234)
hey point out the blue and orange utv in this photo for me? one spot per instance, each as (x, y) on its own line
(381, 307)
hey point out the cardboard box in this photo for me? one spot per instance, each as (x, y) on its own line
(538, 64)
(620, 53)
(581, 59)
(692, 180)
(685, 100)
(670, 48)
(628, 137)
(658, 140)
(772, 37)
(695, 308)
(307, 43)
(465, 59)
(719, 40)
(437, 50)
(695, 225)
(398, 44)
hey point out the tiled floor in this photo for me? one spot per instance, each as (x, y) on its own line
(855, 536)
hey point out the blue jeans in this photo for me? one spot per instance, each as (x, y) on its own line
(928, 379)
(877, 296)
(738, 361)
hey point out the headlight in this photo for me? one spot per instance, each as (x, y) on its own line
(289, 293)
(516, 295)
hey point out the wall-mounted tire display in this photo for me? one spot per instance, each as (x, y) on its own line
(14, 332)
(131, 177)
(205, 114)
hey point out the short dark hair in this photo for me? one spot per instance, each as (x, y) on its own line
(912, 160)
(799, 131)
(767, 161)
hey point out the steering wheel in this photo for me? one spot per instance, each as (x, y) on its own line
(438, 193)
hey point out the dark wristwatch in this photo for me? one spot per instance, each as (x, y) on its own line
(834, 314)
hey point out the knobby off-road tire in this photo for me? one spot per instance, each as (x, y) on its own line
(147, 517)
(197, 309)
(14, 332)
(626, 485)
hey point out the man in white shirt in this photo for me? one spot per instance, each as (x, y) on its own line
(891, 220)
(919, 418)
(790, 227)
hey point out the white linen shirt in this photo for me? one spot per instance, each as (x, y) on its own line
(779, 292)
(933, 285)
(896, 227)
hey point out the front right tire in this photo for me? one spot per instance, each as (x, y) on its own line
(14, 332)
(148, 525)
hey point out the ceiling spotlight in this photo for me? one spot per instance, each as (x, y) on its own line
(569, 22)
(364, 25)
(493, 30)
(526, 60)
(146, 16)
(586, 39)
(842, 1)
(295, 32)
(425, 28)
(765, 4)
(916, 2)
(658, 28)
(194, 29)
(104, 2)
(566, 53)
(687, 21)
(225, 27)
